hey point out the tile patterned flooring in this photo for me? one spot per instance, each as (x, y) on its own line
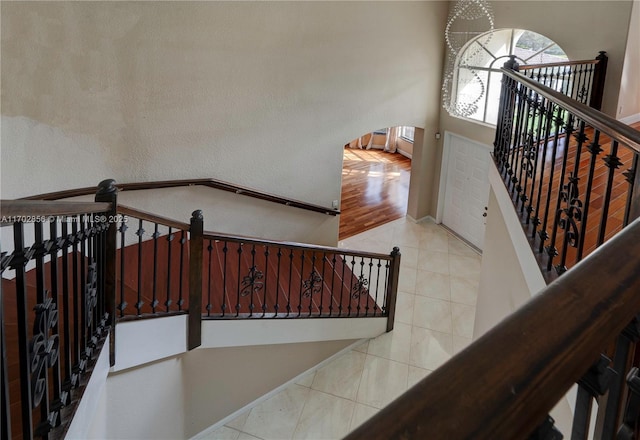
(435, 313)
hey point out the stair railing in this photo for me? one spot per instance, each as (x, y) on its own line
(571, 171)
(255, 278)
(581, 80)
(505, 383)
(54, 316)
(82, 267)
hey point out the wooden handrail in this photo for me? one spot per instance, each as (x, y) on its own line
(292, 245)
(558, 64)
(34, 210)
(598, 120)
(144, 215)
(211, 183)
(503, 385)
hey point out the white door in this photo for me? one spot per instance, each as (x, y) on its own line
(466, 193)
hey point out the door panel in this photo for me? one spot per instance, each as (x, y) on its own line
(466, 188)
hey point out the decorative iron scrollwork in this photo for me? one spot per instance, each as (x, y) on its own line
(250, 282)
(43, 347)
(91, 291)
(312, 285)
(360, 287)
(529, 154)
(572, 213)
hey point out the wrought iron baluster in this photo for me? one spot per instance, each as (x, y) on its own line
(154, 285)
(375, 305)
(266, 280)
(612, 161)
(595, 150)
(18, 263)
(543, 234)
(123, 274)
(369, 298)
(516, 146)
(629, 176)
(290, 276)
(387, 280)
(253, 268)
(529, 152)
(139, 233)
(209, 250)
(610, 406)
(183, 242)
(552, 251)
(83, 283)
(69, 377)
(631, 417)
(170, 237)
(313, 270)
(61, 395)
(523, 145)
(225, 249)
(41, 354)
(535, 159)
(276, 306)
(343, 259)
(571, 195)
(333, 282)
(351, 275)
(301, 283)
(536, 220)
(78, 364)
(5, 416)
(322, 295)
(593, 384)
(239, 251)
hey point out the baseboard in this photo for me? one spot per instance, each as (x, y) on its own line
(404, 153)
(422, 219)
(631, 119)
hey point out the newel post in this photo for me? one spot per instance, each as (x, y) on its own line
(599, 75)
(108, 192)
(194, 337)
(392, 287)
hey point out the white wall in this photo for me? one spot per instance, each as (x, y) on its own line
(262, 94)
(180, 396)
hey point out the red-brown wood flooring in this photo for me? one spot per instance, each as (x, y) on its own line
(614, 216)
(375, 189)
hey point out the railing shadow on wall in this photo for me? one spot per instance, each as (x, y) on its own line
(82, 267)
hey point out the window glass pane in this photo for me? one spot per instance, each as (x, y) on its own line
(407, 133)
(493, 98)
(471, 88)
(480, 89)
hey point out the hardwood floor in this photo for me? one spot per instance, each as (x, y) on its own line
(548, 213)
(375, 189)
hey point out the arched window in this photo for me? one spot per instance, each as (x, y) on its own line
(478, 78)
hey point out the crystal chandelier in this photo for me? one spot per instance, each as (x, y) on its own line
(468, 19)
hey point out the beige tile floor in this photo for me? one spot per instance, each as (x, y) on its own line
(435, 313)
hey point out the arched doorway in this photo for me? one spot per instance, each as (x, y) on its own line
(375, 179)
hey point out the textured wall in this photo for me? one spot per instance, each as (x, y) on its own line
(262, 94)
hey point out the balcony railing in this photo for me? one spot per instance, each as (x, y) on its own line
(570, 170)
(572, 175)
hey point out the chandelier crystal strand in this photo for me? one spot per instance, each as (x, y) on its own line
(459, 104)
